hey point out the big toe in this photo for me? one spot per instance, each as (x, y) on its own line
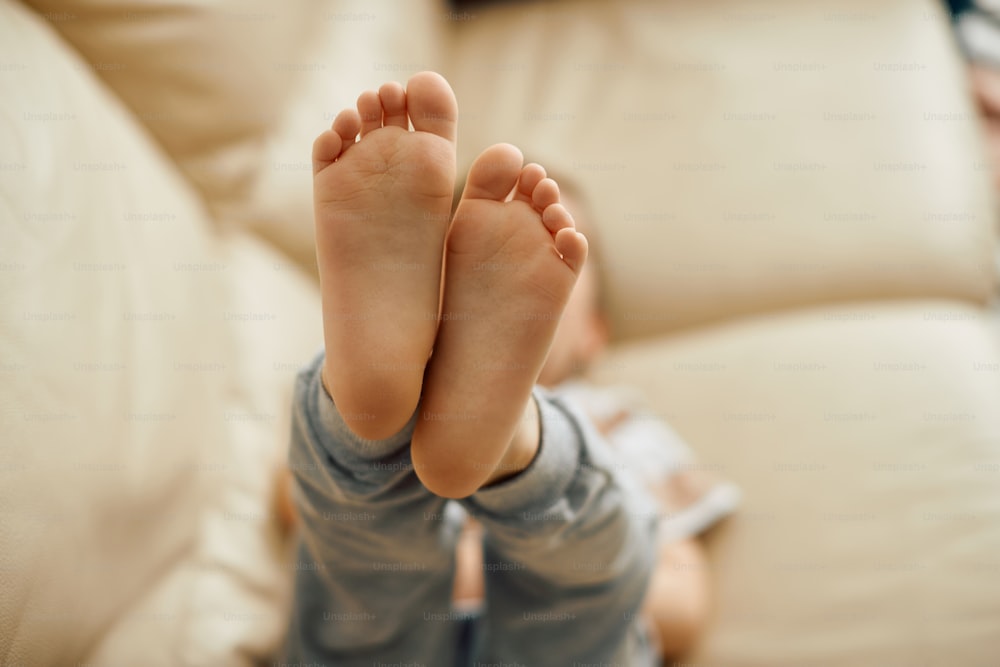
(494, 173)
(431, 104)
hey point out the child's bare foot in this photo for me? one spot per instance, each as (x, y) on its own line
(510, 268)
(382, 210)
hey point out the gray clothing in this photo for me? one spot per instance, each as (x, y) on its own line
(569, 547)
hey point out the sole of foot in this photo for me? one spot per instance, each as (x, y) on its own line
(512, 258)
(383, 207)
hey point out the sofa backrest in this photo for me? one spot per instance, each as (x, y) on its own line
(739, 157)
(235, 92)
(744, 157)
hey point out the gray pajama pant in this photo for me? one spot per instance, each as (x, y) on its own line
(568, 552)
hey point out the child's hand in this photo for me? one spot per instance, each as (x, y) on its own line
(605, 425)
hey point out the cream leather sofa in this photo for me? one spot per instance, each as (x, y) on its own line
(798, 244)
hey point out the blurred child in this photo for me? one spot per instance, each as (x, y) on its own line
(438, 331)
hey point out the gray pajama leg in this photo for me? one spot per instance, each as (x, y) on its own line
(569, 551)
(376, 565)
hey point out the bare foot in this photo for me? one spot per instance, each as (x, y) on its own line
(382, 210)
(510, 267)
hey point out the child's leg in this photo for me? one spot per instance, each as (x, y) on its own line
(569, 546)
(568, 554)
(375, 570)
(677, 599)
(376, 567)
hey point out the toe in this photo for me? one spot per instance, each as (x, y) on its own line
(556, 217)
(432, 105)
(545, 194)
(531, 176)
(370, 110)
(347, 124)
(326, 148)
(393, 99)
(494, 173)
(572, 245)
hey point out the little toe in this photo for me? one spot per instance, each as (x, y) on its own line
(393, 99)
(347, 124)
(556, 217)
(572, 245)
(326, 149)
(531, 176)
(545, 194)
(370, 110)
(494, 173)
(432, 106)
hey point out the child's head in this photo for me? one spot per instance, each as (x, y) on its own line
(583, 330)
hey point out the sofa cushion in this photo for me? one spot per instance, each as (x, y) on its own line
(236, 91)
(208, 79)
(744, 157)
(226, 600)
(114, 354)
(866, 441)
(146, 363)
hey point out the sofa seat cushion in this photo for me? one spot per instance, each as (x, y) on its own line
(866, 441)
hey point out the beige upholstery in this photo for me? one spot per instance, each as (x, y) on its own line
(867, 443)
(797, 235)
(771, 155)
(241, 87)
(221, 83)
(109, 256)
(147, 366)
